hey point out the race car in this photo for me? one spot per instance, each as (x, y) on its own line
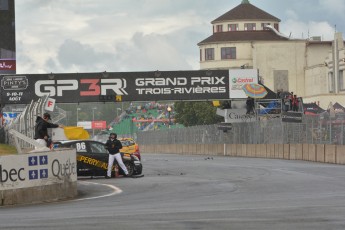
(92, 158)
(130, 146)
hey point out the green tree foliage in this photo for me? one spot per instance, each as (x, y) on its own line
(196, 113)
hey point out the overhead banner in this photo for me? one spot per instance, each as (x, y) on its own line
(122, 86)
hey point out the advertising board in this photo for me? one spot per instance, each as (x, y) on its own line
(238, 78)
(37, 169)
(126, 86)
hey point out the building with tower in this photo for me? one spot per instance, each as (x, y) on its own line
(248, 37)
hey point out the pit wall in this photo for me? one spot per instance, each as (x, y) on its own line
(38, 177)
(334, 154)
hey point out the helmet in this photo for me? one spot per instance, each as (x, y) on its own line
(113, 134)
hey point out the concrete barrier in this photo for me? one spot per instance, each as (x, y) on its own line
(38, 177)
(333, 154)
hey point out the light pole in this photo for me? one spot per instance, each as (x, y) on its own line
(169, 111)
(78, 109)
(93, 119)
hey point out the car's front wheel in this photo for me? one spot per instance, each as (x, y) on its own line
(130, 168)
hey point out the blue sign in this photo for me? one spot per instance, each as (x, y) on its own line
(43, 160)
(33, 161)
(33, 174)
(43, 173)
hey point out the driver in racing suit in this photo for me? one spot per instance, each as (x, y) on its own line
(114, 145)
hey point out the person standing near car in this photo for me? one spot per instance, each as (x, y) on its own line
(113, 145)
(41, 130)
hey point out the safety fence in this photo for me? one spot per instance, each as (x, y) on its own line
(24, 124)
(312, 130)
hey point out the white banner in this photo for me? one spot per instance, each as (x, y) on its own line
(37, 169)
(85, 124)
(238, 78)
(236, 115)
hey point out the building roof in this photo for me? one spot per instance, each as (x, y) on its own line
(245, 11)
(236, 36)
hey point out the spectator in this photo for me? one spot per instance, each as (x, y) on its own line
(287, 104)
(41, 130)
(250, 105)
(295, 103)
(291, 98)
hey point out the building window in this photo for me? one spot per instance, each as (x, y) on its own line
(250, 26)
(209, 54)
(276, 26)
(331, 82)
(200, 54)
(228, 52)
(341, 81)
(232, 27)
(263, 26)
(219, 28)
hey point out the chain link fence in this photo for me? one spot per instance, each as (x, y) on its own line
(313, 130)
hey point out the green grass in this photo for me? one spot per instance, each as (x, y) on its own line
(7, 150)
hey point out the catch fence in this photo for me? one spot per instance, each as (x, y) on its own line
(312, 130)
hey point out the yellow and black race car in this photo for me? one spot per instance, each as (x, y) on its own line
(92, 158)
(130, 146)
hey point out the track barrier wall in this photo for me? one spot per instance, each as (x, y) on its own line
(333, 154)
(38, 177)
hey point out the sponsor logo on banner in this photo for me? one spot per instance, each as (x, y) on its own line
(9, 64)
(238, 116)
(238, 78)
(14, 82)
(99, 124)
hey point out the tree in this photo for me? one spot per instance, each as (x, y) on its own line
(196, 113)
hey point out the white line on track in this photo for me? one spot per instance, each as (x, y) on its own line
(116, 191)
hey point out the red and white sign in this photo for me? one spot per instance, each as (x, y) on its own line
(7, 64)
(99, 125)
(50, 104)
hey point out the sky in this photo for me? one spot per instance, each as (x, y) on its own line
(81, 36)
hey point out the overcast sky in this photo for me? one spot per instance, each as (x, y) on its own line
(68, 36)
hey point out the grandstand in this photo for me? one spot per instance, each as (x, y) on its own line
(149, 116)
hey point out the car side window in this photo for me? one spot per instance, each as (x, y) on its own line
(97, 148)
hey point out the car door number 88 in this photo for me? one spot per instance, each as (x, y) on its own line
(81, 147)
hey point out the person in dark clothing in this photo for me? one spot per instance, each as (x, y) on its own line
(250, 105)
(113, 145)
(295, 103)
(41, 129)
